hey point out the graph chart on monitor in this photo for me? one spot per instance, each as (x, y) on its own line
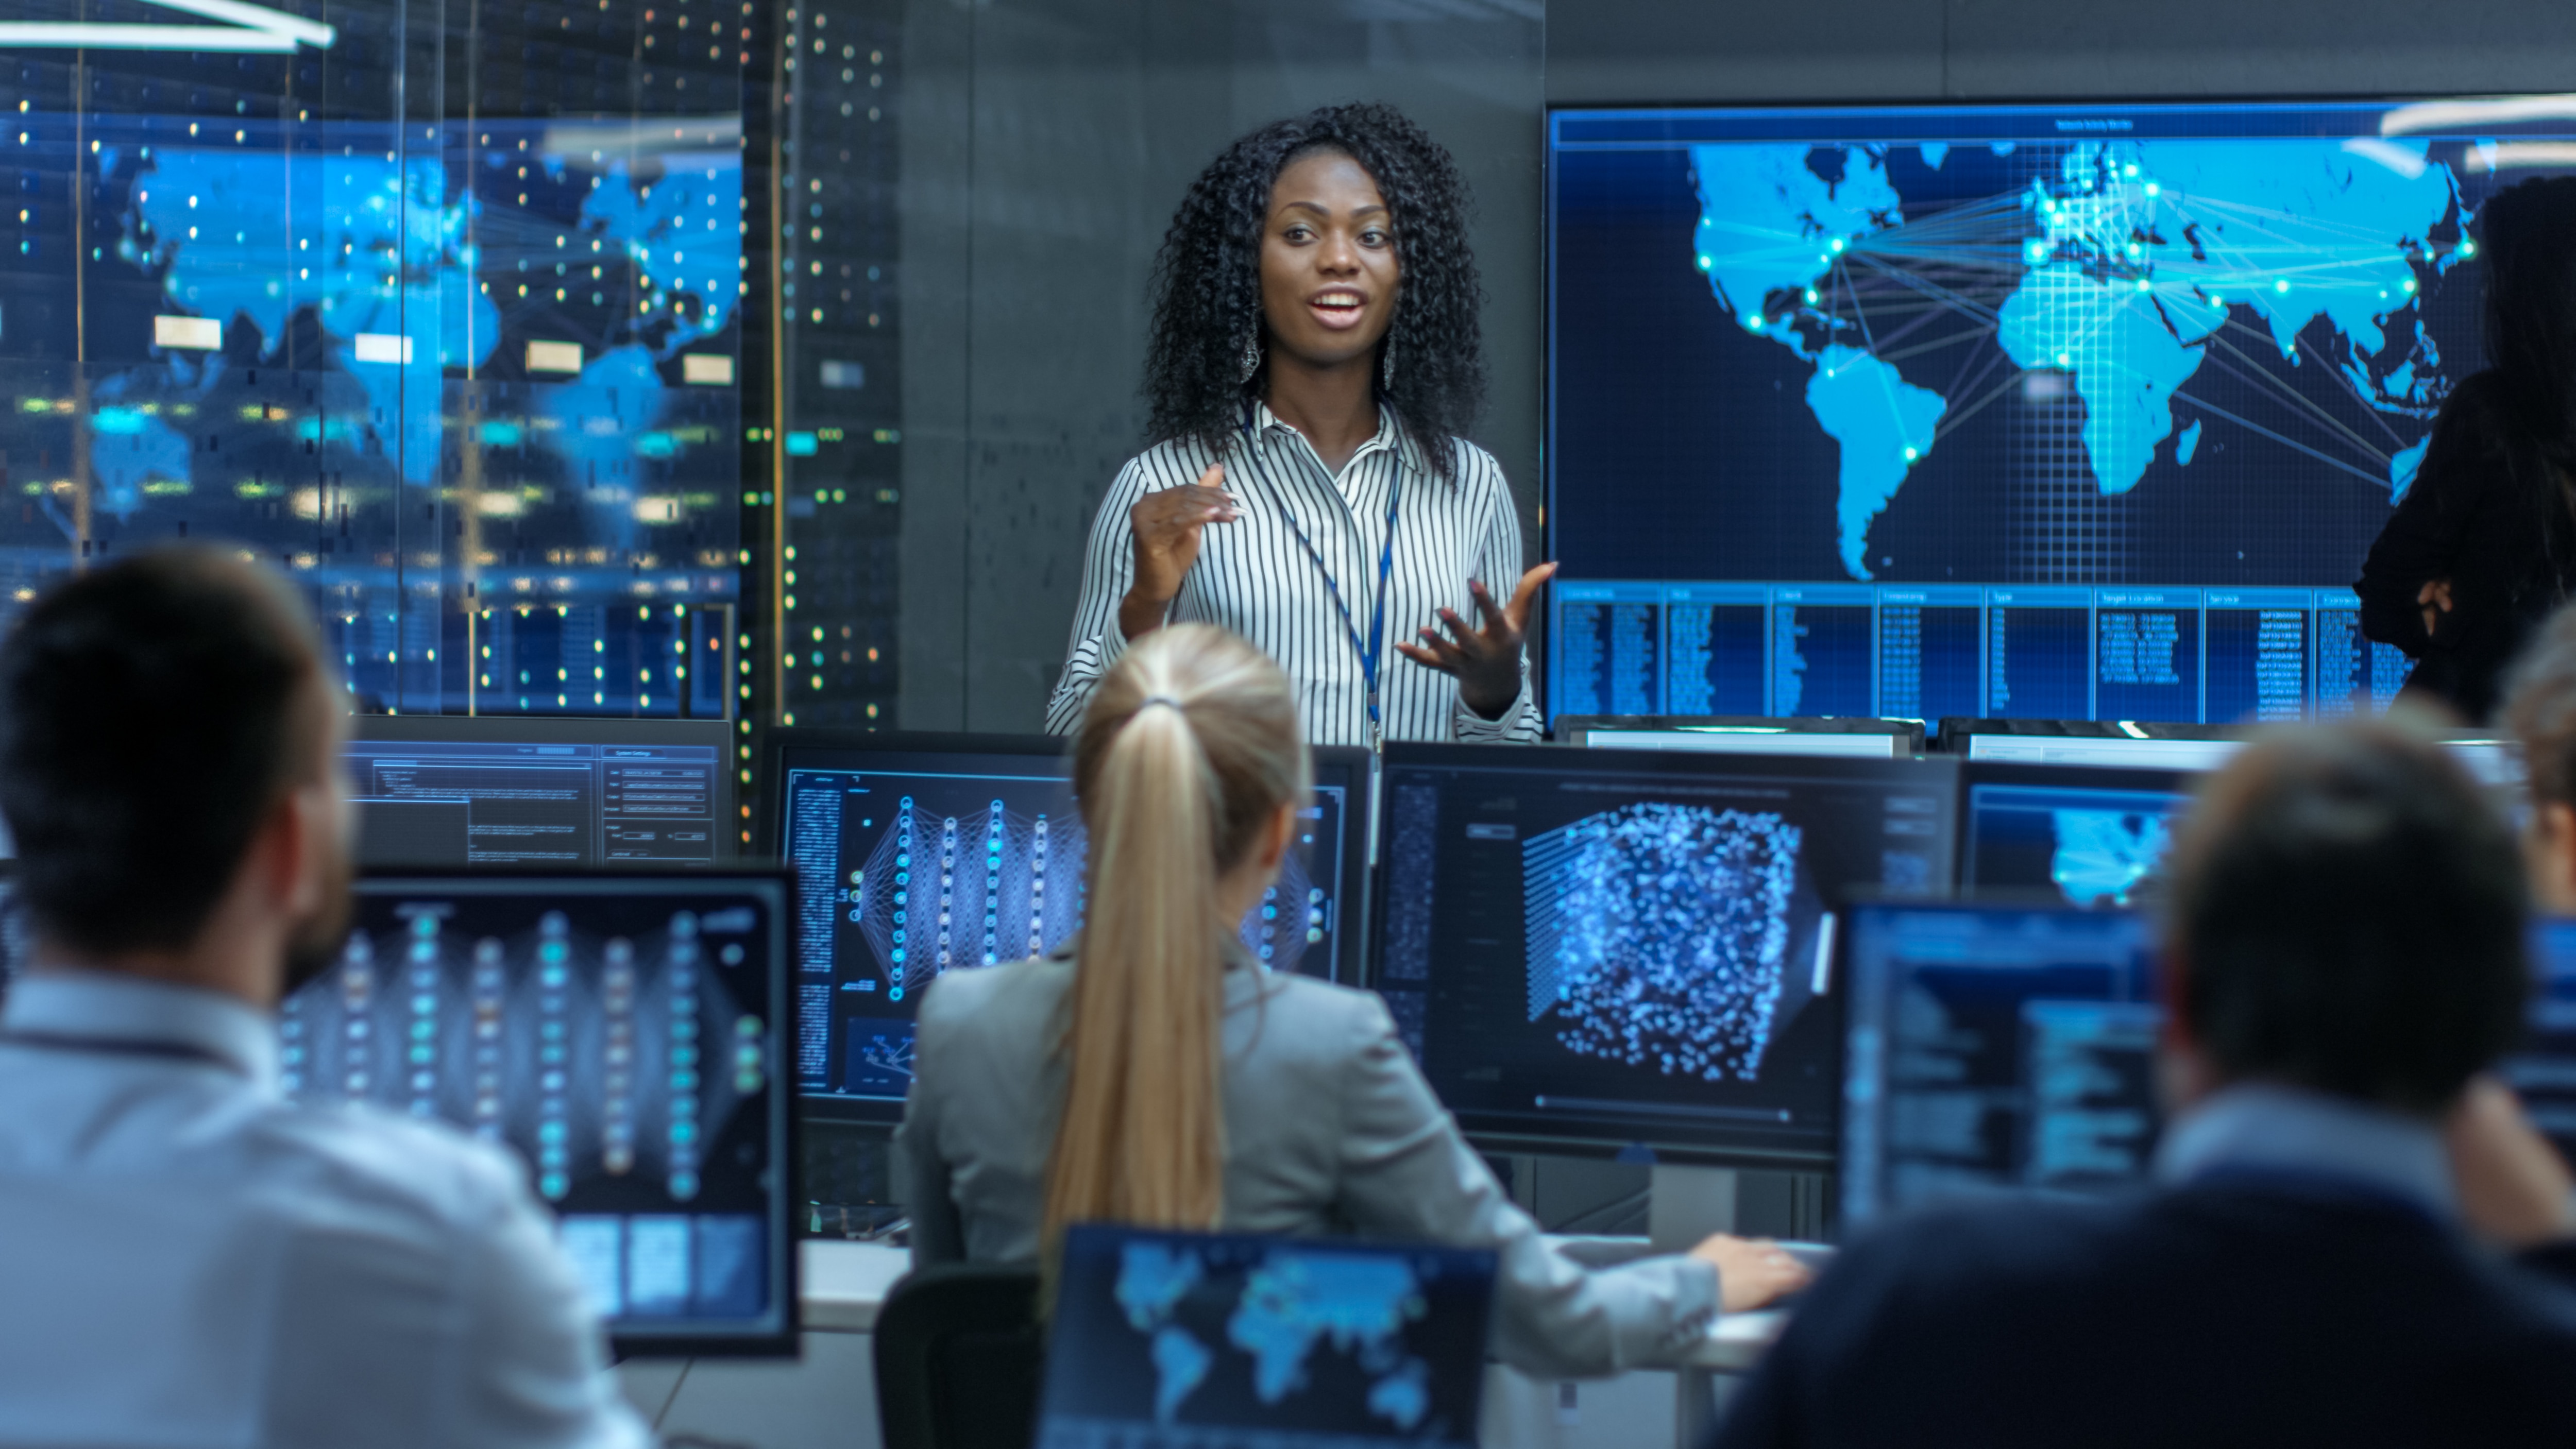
(622, 1036)
(918, 855)
(2026, 410)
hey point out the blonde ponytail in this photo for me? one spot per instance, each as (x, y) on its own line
(1189, 749)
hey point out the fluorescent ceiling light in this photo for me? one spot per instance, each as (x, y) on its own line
(2507, 155)
(2476, 115)
(253, 28)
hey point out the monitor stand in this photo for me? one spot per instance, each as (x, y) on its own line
(1686, 1204)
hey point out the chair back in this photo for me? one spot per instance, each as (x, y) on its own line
(958, 1358)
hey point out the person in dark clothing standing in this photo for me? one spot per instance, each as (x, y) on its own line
(2344, 954)
(2483, 545)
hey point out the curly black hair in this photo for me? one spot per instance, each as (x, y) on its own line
(1207, 281)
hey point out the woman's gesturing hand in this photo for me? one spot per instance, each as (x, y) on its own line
(2435, 599)
(1166, 527)
(1487, 661)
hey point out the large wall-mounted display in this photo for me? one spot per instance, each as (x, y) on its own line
(442, 313)
(2046, 411)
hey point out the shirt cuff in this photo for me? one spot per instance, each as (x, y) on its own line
(1472, 728)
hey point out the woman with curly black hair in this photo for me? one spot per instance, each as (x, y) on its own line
(1315, 362)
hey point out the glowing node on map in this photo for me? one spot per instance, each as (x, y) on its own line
(2468, 248)
(2281, 285)
(2154, 190)
(1836, 245)
(1811, 296)
(1911, 454)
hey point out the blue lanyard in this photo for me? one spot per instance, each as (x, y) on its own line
(1371, 653)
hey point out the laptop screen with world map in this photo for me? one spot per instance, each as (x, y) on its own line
(1211, 1341)
(2039, 411)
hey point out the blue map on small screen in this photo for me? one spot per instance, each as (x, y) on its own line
(1205, 1340)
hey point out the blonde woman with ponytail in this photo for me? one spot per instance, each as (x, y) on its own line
(1158, 1076)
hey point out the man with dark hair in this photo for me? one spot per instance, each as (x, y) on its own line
(2344, 951)
(185, 1257)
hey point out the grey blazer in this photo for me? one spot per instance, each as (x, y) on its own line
(1329, 1129)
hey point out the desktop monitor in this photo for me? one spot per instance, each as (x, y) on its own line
(2064, 410)
(1995, 1049)
(623, 1034)
(922, 853)
(2078, 834)
(1166, 1340)
(2543, 1071)
(1869, 739)
(439, 792)
(1607, 947)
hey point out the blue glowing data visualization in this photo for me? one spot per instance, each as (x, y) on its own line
(474, 387)
(1995, 1050)
(622, 1035)
(1635, 946)
(2078, 834)
(2185, 353)
(1204, 1341)
(949, 853)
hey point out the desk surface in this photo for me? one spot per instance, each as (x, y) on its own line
(846, 1283)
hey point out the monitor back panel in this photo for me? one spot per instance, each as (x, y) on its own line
(440, 792)
(1219, 1341)
(1995, 1050)
(922, 854)
(622, 1035)
(1604, 948)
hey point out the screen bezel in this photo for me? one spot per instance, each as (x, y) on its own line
(782, 749)
(1928, 771)
(782, 1338)
(498, 729)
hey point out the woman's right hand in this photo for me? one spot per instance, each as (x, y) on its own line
(1750, 1271)
(1165, 526)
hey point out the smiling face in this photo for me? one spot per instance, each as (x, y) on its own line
(1328, 271)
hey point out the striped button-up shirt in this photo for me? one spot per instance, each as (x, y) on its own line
(1254, 577)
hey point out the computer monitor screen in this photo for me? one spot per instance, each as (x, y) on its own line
(920, 854)
(2115, 754)
(1202, 1341)
(2073, 833)
(1615, 947)
(622, 1034)
(2072, 411)
(437, 792)
(1995, 1049)
(2543, 1072)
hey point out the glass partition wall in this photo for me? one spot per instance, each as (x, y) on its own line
(439, 307)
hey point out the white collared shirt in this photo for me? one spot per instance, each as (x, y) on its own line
(1255, 577)
(188, 1259)
(2256, 1126)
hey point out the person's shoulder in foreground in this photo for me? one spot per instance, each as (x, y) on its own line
(190, 1258)
(2343, 954)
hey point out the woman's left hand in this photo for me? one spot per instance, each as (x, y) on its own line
(1487, 661)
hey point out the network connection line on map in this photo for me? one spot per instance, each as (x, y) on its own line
(2122, 266)
(1657, 934)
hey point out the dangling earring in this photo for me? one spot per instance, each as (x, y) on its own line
(1251, 355)
(1386, 363)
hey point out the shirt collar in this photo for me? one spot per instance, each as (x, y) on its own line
(2311, 1134)
(1391, 434)
(113, 1007)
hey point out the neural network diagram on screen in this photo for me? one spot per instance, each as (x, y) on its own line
(2038, 411)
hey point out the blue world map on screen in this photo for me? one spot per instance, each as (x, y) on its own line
(2122, 271)
(1285, 1308)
